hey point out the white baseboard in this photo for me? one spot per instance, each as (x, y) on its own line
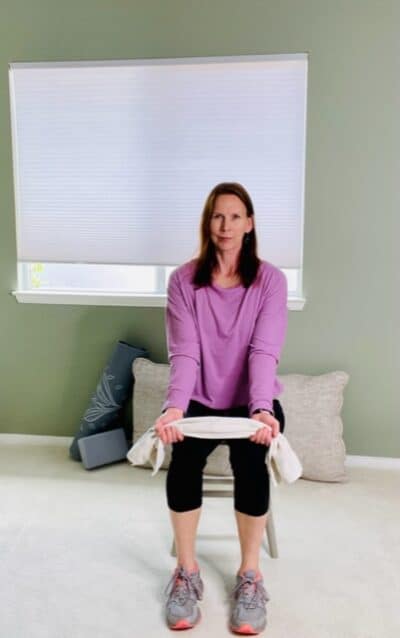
(35, 439)
(383, 462)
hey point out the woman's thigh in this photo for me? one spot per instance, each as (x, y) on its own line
(200, 449)
(248, 458)
(192, 452)
(251, 476)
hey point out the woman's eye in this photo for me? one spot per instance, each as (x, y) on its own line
(219, 215)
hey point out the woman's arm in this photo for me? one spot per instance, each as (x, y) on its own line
(266, 343)
(183, 346)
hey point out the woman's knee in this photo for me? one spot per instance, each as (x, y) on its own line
(184, 487)
(183, 502)
(252, 508)
(252, 492)
(184, 481)
(251, 477)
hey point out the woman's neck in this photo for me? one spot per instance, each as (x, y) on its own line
(227, 265)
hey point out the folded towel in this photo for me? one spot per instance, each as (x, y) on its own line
(283, 463)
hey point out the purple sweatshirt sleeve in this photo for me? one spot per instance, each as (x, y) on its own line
(266, 343)
(183, 347)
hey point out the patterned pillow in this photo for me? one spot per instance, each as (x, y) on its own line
(112, 391)
(311, 404)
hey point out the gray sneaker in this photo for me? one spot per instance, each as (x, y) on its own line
(249, 614)
(183, 591)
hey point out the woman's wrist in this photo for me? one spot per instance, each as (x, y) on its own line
(172, 409)
(258, 410)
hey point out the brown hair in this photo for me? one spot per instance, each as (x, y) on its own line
(206, 259)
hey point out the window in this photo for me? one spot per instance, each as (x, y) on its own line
(113, 162)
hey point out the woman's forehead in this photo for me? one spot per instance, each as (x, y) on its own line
(229, 203)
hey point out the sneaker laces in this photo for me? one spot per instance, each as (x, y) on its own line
(182, 585)
(250, 592)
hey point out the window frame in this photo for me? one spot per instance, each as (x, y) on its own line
(25, 294)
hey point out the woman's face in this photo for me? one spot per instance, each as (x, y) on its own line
(229, 222)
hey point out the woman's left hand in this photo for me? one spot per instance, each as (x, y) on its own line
(269, 428)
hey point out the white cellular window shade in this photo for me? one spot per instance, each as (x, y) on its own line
(113, 160)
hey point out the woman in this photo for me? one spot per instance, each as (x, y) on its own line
(226, 323)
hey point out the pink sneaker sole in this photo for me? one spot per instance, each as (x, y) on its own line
(245, 630)
(184, 624)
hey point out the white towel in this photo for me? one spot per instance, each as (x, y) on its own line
(283, 463)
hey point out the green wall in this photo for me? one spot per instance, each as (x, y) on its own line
(51, 356)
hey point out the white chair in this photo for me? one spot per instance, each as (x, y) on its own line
(228, 492)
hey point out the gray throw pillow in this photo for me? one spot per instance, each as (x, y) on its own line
(313, 423)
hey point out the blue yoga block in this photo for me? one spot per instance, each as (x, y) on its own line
(104, 448)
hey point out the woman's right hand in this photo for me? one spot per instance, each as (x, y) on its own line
(169, 433)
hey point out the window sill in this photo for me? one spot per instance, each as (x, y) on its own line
(109, 298)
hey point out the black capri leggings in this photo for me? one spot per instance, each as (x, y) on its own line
(184, 484)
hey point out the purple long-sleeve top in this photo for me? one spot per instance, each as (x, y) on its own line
(224, 344)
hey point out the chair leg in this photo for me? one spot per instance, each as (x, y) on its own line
(173, 548)
(271, 535)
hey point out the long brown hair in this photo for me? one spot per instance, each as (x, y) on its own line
(206, 260)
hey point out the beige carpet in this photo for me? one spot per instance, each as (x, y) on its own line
(86, 554)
